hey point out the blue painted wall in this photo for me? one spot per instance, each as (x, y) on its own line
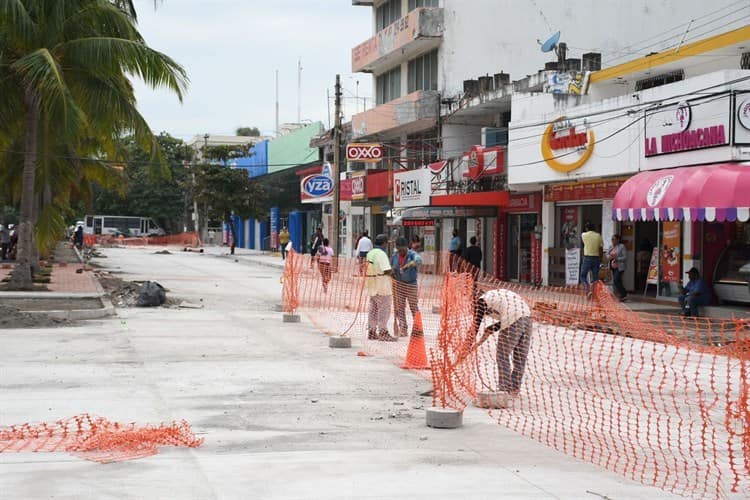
(296, 229)
(257, 163)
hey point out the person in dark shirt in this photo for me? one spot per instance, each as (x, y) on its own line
(694, 294)
(473, 254)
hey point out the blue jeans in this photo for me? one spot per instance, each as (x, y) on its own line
(590, 264)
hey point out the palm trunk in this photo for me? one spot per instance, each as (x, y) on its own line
(21, 277)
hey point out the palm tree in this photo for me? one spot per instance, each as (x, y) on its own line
(65, 93)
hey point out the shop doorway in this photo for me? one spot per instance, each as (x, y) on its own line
(646, 238)
(520, 233)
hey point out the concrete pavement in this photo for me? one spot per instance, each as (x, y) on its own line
(283, 416)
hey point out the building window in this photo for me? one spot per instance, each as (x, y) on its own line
(659, 80)
(415, 4)
(388, 86)
(423, 72)
(388, 13)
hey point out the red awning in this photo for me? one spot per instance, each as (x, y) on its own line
(712, 192)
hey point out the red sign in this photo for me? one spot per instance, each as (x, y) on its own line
(536, 259)
(523, 203)
(418, 222)
(358, 185)
(587, 190)
(364, 152)
(671, 255)
(345, 190)
(484, 161)
(378, 184)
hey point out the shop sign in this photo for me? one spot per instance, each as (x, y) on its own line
(418, 222)
(567, 146)
(652, 278)
(523, 203)
(742, 120)
(483, 161)
(536, 258)
(501, 248)
(687, 126)
(579, 191)
(364, 152)
(572, 266)
(359, 192)
(316, 189)
(671, 256)
(411, 188)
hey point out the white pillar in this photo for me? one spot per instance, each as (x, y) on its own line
(548, 237)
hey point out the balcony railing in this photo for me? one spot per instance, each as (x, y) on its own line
(409, 114)
(417, 32)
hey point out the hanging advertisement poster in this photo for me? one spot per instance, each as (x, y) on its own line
(652, 278)
(572, 266)
(670, 255)
(569, 227)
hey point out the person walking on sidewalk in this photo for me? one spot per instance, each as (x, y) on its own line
(283, 241)
(364, 245)
(325, 253)
(4, 241)
(454, 249)
(315, 243)
(512, 317)
(405, 264)
(378, 285)
(617, 257)
(592, 256)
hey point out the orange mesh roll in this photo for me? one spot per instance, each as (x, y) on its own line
(96, 438)
(659, 398)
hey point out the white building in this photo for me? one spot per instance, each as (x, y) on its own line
(655, 150)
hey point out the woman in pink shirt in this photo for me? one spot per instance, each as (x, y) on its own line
(324, 263)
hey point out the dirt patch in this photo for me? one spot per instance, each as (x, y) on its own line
(52, 304)
(11, 317)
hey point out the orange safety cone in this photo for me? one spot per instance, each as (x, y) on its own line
(416, 353)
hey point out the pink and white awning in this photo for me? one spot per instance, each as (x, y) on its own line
(706, 193)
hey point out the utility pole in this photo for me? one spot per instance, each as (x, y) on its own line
(299, 91)
(277, 103)
(336, 166)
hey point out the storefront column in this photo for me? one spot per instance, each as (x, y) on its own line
(548, 237)
(689, 250)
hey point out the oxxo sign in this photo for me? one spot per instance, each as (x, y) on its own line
(361, 152)
(566, 148)
(412, 188)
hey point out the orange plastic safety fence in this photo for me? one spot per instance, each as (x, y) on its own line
(659, 398)
(96, 438)
(185, 240)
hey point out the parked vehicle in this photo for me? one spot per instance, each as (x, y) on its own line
(119, 225)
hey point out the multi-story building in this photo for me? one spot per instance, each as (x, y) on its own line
(444, 75)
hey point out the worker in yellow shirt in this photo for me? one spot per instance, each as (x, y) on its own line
(593, 245)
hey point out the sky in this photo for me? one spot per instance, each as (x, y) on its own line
(231, 50)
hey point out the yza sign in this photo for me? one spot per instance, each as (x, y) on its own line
(687, 126)
(361, 152)
(566, 146)
(317, 188)
(412, 188)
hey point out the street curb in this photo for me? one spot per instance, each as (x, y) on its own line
(79, 314)
(250, 260)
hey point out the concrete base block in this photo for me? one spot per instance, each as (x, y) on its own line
(444, 418)
(340, 342)
(278, 308)
(291, 318)
(435, 309)
(492, 399)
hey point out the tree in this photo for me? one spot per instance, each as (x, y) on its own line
(162, 196)
(248, 131)
(226, 191)
(64, 85)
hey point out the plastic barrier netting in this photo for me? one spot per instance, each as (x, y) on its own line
(186, 240)
(659, 398)
(96, 438)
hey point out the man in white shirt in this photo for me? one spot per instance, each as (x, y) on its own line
(512, 317)
(378, 286)
(364, 245)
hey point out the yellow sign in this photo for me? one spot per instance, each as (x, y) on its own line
(552, 142)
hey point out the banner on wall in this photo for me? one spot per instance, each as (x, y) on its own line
(572, 265)
(671, 253)
(275, 221)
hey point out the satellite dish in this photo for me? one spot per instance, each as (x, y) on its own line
(551, 43)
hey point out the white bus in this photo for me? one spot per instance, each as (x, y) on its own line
(121, 225)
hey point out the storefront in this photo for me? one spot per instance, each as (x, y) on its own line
(519, 236)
